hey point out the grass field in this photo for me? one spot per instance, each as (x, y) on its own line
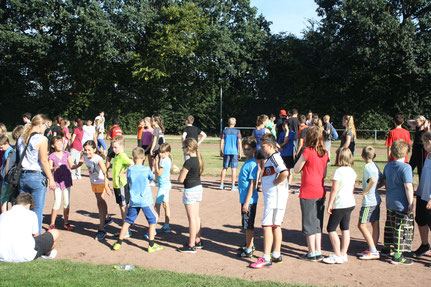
(67, 273)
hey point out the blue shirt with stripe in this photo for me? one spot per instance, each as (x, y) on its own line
(231, 137)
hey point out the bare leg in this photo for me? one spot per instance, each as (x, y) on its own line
(103, 209)
(277, 238)
(335, 241)
(346, 241)
(151, 231)
(55, 234)
(424, 232)
(124, 229)
(367, 235)
(123, 211)
(54, 213)
(222, 176)
(233, 176)
(157, 208)
(376, 232)
(318, 242)
(167, 212)
(267, 239)
(194, 222)
(311, 243)
(249, 238)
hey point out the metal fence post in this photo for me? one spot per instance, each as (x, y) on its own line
(375, 136)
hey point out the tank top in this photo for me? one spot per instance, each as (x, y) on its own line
(258, 134)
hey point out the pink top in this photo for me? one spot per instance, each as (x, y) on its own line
(312, 175)
(62, 175)
(77, 144)
(147, 136)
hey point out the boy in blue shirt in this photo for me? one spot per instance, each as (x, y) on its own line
(248, 195)
(230, 150)
(141, 197)
(398, 177)
(285, 140)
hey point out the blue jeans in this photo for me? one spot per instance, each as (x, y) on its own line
(35, 184)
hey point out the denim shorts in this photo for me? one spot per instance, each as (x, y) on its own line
(230, 160)
(149, 212)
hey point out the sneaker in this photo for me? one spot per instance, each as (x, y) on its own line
(128, 234)
(116, 246)
(155, 248)
(363, 252)
(234, 187)
(51, 255)
(333, 259)
(199, 245)
(370, 255)
(163, 230)
(295, 191)
(421, 250)
(245, 254)
(387, 251)
(101, 234)
(221, 186)
(319, 257)
(51, 227)
(187, 249)
(278, 260)
(108, 220)
(67, 226)
(245, 247)
(345, 258)
(309, 258)
(261, 263)
(401, 261)
(147, 236)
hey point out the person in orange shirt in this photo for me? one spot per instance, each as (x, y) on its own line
(398, 133)
(140, 128)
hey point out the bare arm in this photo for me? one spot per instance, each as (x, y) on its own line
(281, 177)
(239, 148)
(300, 144)
(105, 173)
(299, 164)
(371, 182)
(388, 153)
(333, 195)
(202, 138)
(409, 193)
(249, 195)
(221, 147)
(43, 156)
(183, 174)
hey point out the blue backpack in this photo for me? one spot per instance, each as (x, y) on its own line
(334, 133)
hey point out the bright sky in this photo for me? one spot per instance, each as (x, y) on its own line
(289, 16)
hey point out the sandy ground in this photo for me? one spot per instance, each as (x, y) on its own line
(220, 213)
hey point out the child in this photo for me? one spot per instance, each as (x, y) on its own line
(138, 177)
(163, 168)
(191, 131)
(190, 175)
(248, 195)
(370, 210)
(140, 128)
(398, 177)
(99, 183)
(398, 133)
(340, 206)
(158, 137)
(6, 191)
(285, 140)
(60, 163)
(423, 200)
(275, 193)
(113, 132)
(147, 137)
(348, 136)
(100, 130)
(230, 150)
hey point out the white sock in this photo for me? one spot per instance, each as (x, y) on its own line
(266, 257)
(275, 254)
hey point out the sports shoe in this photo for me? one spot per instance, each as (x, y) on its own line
(163, 230)
(245, 247)
(221, 186)
(387, 251)
(128, 234)
(155, 248)
(421, 250)
(51, 227)
(67, 226)
(51, 255)
(319, 257)
(147, 236)
(187, 249)
(116, 246)
(101, 234)
(261, 263)
(370, 255)
(108, 220)
(309, 258)
(345, 258)
(333, 259)
(363, 252)
(277, 260)
(234, 187)
(245, 254)
(199, 245)
(401, 261)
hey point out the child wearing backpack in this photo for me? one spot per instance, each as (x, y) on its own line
(6, 191)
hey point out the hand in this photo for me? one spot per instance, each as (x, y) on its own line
(123, 174)
(51, 184)
(239, 156)
(329, 210)
(221, 153)
(245, 208)
(108, 189)
(429, 204)
(411, 207)
(55, 168)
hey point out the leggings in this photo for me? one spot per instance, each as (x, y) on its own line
(57, 198)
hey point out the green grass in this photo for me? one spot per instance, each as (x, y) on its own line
(68, 273)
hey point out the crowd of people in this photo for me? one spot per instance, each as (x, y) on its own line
(50, 156)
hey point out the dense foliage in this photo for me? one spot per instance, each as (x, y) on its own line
(369, 58)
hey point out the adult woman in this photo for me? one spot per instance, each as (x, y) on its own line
(349, 135)
(76, 147)
(418, 152)
(36, 169)
(312, 164)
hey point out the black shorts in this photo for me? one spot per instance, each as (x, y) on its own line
(43, 244)
(288, 161)
(147, 152)
(423, 215)
(247, 219)
(340, 217)
(122, 195)
(260, 155)
(312, 215)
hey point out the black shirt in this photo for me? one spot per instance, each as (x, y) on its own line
(192, 132)
(294, 125)
(57, 130)
(192, 178)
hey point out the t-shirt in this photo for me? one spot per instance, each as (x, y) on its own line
(138, 177)
(57, 131)
(294, 125)
(231, 136)
(140, 128)
(4, 160)
(77, 142)
(343, 139)
(119, 164)
(346, 176)
(31, 159)
(327, 131)
(89, 132)
(312, 175)
(17, 227)
(258, 133)
(96, 173)
(100, 131)
(372, 197)
(274, 196)
(396, 175)
(192, 178)
(300, 129)
(424, 189)
(303, 134)
(166, 164)
(279, 125)
(398, 134)
(287, 150)
(271, 128)
(115, 131)
(192, 132)
(147, 136)
(158, 137)
(417, 142)
(247, 173)
(62, 175)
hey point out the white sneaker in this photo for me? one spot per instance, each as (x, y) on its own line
(370, 255)
(152, 183)
(51, 255)
(345, 259)
(333, 259)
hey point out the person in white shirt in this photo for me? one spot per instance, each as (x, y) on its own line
(89, 132)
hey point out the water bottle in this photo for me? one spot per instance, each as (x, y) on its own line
(124, 267)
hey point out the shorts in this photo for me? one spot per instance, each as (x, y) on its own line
(97, 188)
(43, 244)
(155, 153)
(6, 194)
(328, 145)
(101, 143)
(163, 193)
(260, 155)
(288, 161)
(122, 195)
(399, 230)
(312, 215)
(247, 219)
(273, 216)
(340, 216)
(230, 160)
(192, 195)
(423, 215)
(149, 212)
(369, 214)
(147, 152)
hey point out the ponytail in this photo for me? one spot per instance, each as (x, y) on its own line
(38, 119)
(201, 162)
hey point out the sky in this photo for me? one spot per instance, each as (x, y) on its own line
(287, 15)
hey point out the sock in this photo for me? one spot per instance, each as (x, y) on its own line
(317, 253)
(373, 249)
(266, 257)
(248, 250)
(397, 255)
(311, 254)
(120, 241)
(151, 243)
(275, 254)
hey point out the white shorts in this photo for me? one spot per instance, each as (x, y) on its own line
(273, 216)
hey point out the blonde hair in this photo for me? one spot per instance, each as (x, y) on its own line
(38, 119)
(119, 140)
(3, 129)
(345, 157)
(326, 118)
(192, 145)
(350, 125)
(421, 118)
(17, 132)
(369, 152)
(261, 120)
(400, 149)
(138, 153)
(231, 121)
(4, 139)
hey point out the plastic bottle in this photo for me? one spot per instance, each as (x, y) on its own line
(124, 267)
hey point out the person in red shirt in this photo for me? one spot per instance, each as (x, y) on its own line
(114, 131)
(398, 133)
